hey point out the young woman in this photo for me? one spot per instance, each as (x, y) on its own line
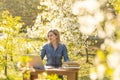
(54, 50)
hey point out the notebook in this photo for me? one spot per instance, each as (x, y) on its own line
(35, 62)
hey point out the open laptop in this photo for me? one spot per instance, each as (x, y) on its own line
(35, 62)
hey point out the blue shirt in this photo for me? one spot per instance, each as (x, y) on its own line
(54, 57)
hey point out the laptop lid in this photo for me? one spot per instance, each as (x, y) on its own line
(35, 62)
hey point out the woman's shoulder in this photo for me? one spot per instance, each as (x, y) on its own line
(46, 44)
(62, 44)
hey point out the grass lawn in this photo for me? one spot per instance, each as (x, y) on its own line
(85, 67)
(84, 72)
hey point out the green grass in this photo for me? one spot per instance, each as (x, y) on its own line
(84, 72)
(84, 67)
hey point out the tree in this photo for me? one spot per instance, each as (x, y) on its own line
(99, 16)
(115, 5)
(57, 14)
(26, 9)
(9, 29)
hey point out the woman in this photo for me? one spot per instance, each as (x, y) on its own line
(54, 50)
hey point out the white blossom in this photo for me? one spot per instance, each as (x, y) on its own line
(87, 24)
(2, 48)
(109, 29)
(113, 60)
(89, 5)
(3, 36)
(99, 16)
(116, 74)
(76, 7)
(101, 33)
(101, 71)
(114, 45)
(93, 76)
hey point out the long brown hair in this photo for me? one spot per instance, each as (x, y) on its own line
(56, 32)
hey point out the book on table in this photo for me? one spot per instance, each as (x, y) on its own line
(71, 65)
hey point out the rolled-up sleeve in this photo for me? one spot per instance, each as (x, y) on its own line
(43, 52)
(65, 54)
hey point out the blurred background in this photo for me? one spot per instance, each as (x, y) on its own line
(89, 28)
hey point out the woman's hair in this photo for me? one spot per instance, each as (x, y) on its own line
(56, 33)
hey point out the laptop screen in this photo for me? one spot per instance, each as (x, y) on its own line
(35, 62)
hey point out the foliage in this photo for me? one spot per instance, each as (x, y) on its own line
(101, 18)
(45, 76)
(27, 9)
(115, 5)
(58, 14)
(9, 29)
(76, 21)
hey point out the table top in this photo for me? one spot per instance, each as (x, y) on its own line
(59, 69)
(51, 69)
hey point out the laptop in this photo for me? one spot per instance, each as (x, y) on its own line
(35, 62)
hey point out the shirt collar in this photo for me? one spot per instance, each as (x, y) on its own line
(52, 45)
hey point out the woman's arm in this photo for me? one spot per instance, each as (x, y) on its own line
(65, 53)
(43, 52)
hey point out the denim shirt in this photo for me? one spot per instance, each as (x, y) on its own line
(54, 57)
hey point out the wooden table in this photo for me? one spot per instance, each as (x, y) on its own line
(71, 74)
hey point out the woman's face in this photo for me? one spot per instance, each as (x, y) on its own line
(52, 37)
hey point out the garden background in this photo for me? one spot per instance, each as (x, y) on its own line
(89, 28)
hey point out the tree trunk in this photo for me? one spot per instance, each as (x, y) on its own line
(5, 69)
(86, 50)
